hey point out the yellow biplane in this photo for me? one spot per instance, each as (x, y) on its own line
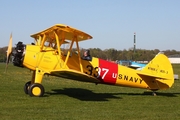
(48, 56)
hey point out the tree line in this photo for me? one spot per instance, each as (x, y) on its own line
(130, 54)
(114, 54)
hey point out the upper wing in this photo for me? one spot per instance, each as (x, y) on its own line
(63, 32)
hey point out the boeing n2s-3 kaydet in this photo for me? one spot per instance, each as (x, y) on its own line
(46, 56)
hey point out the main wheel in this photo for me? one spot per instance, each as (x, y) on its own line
(26, 87)
(36, 90)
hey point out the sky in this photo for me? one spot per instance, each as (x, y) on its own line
(112, 23)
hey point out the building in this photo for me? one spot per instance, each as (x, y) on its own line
(174, 59)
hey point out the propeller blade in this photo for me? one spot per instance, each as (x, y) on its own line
(9, 51)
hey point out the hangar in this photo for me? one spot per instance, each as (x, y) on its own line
(174, 59)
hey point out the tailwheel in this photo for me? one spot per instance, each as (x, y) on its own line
(36, 90)
(26, 87)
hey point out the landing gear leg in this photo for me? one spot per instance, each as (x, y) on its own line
(36, 88)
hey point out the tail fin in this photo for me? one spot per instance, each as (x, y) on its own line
(160, 69)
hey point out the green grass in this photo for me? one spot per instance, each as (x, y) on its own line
(71, 100)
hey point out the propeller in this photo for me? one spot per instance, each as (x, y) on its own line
(9, 52)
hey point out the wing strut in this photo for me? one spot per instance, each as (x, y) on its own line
(80, 63)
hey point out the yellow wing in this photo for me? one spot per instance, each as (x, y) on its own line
(63, 32)
(74, 75)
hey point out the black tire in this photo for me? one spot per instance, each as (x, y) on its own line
(36, 90)
(26, 87)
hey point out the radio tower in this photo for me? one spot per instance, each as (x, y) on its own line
(134, 42)
(133, 56)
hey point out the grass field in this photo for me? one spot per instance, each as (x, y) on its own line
(71, 100)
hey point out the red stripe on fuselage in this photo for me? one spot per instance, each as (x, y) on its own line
(108, 71)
